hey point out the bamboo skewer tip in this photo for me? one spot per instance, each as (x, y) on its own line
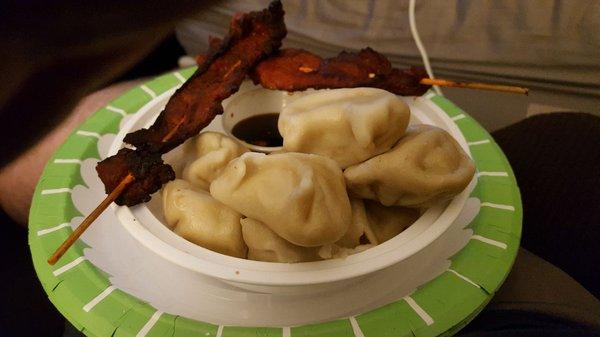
(475, 85)
(69, 241)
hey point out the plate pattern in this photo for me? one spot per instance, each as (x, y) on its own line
(84, 294)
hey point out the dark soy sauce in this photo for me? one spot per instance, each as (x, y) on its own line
(260, 130)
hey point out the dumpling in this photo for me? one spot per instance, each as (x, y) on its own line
(301, 197)
(426, 166)
(387, 222)
(199, 218)
(265, 245)
(335, 251)
(346, 125)
(213, 151)
(359, 226)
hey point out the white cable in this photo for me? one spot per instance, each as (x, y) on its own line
(415, 35)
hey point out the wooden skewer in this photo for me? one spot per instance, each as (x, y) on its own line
(474, 85)
(60, 251)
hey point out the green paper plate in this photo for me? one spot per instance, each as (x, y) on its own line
(439, 307)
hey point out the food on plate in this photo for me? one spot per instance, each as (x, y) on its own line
(359, 229)
(251, 37)
(297, 69)
(304, 210)
(301, 197)
(372, 224)
(196, 216)
(213, 151)
(385, 222)
(334, 251)
(426, 166)
(266, 245)
(147, 168)
(346, 125)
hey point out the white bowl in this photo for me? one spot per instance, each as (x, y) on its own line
(145, 222)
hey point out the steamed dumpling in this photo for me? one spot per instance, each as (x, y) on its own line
(351, 243)
(199, 218)
(265, 245)
(426, 166)
(213, 151)
(335, 251)
(301, 197)
(359, 226)
(386, 222)
(346, 125)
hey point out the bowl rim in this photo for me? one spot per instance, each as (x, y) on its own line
(283, 274)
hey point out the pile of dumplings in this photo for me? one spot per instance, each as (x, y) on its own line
(351, 175)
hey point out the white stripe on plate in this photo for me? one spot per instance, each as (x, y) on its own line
(463, 277)
(146, 328)
(458, 117)
(56, 191)
(117, 110)
(179, 77)
(88, 134)
(489, 241)
(479, 142)
(498, 206)
(219, 331)
(68, 266)
(492, 174)
(98, 298)
(287, 332)
(430, 95)
(148, 91)
(424, 316)
(52, 229)
(355, 328)
(67, 161)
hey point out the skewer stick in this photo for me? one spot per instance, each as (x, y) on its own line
(474, 85)
(61, 250)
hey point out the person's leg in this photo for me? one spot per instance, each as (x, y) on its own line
(556, 160)
(24, 307)
(538, 299)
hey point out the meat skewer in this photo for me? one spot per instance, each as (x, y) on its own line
(297, 69)
(131, 176)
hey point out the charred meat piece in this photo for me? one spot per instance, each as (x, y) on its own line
(251, 38)
(296, 70)
(147, 168)
(214, 44)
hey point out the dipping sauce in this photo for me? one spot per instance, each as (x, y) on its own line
(260, 130)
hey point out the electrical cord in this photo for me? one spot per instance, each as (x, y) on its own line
(422, 51)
